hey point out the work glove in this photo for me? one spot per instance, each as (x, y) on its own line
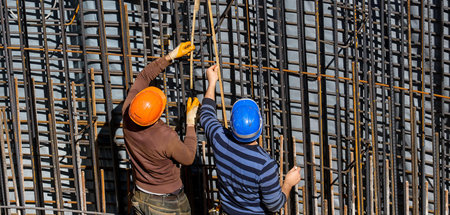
(181, 50)
(191, 111)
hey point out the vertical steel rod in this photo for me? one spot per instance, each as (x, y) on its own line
(191, 60)
(68, 95)
(25, 71)
(407, 212)
(337, 83)
(331, 191)
(54, 148)
(102, 176)
(424, 205)
(4, 179)
(387, 189)
(35, 154)
(216, 51)
(375, 159)
(107, 94)
(19, 152)
(89, 82)
(260, 70)
(358, 164)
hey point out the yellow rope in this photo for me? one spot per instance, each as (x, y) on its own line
(74, 15)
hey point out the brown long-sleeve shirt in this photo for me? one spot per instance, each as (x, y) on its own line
(154, 150)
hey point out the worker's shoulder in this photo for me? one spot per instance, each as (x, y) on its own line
(162, 128)
(158, 131)
(268, 161)
(256, 154)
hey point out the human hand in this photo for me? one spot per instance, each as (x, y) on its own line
(191, 111)
(181, 50)
(212, 74)
(293, 176)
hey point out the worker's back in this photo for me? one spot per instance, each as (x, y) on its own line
(248, 177)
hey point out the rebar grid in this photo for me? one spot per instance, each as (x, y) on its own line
(356, 93)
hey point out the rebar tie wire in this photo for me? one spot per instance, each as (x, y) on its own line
(49, 14)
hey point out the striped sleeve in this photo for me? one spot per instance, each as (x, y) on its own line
(208, 118)
(272, 196)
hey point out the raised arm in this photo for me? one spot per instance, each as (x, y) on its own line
(208, 117)
(211, 74)
(152, 70)
(144, 78)
(184, 152)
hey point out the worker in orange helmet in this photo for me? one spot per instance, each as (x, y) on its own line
(153, 147)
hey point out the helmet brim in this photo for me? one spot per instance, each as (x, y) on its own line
(247, 140)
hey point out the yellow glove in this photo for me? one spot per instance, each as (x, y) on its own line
(181, 50)
(191, 110)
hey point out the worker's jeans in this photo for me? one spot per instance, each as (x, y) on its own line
(144, 203)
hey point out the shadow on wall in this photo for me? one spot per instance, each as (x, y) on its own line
(111, 157)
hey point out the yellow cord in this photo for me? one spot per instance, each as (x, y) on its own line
(75, 15)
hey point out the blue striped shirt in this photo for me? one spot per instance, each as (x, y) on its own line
(248, 177)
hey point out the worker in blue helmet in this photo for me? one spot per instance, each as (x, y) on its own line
(246, 122)
(248, 177)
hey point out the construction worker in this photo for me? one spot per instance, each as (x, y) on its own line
(248, 177)
(153, 147)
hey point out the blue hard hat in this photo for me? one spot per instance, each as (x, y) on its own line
(246, 121)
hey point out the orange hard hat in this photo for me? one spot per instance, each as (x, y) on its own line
(147, 106)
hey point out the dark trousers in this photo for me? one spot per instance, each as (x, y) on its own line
(145, 204)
